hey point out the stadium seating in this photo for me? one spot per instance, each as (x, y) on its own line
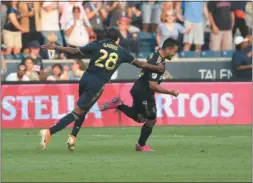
(189, 54)
(210, 54)
(227, 53)
(147, 41)
(144, 54)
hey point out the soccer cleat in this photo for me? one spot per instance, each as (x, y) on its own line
(144, 148)
(45, 137)
(112, 104)
(71, 142)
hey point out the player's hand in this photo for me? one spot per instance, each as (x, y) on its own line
(48, 46)
(175, 93)
(161, 67)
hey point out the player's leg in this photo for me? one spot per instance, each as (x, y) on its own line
(78, 122)
(149, 109)
(131, 112)
(65, 121)
(77, 114)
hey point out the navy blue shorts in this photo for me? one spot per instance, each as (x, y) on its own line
(89, 92)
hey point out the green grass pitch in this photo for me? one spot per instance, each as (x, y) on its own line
(217, 153)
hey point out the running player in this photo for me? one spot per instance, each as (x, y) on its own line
(143, 109)
(106, 56)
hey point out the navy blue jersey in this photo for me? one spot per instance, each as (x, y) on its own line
(141, 89)
(106, 56)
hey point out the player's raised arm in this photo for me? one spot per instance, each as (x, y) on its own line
(157, 88)
(147, 66)
(85, 49)
(61, 48)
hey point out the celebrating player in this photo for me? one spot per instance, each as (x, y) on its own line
(143, 109)
(106, 56)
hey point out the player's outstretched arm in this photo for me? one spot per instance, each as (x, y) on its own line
(147, 66)
(156, 87)
(61, 48)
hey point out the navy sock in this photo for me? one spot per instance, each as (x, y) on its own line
(78, 125)
(129, 111)
(65, 121)
(145, 133)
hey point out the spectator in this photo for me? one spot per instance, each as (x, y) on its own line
(221, 18)
(50, 21)
(116, 10)
(30, 21)
(57, 72)
(51, 54)
(170, 28)
(3, 14)
(241, 60)
(151, 14)
(3, 62)
(249, 48)
(66, 10)
(127, 40)
(96, 15)
(248, 17)
(44, 75)
(166, 6)
(76, 32)
(193, 15)
(78, 69)
(135, 16)
(34, 55)
(250, 40)
(239, 8)
(30, 72)
(12, 30)
(19, 75)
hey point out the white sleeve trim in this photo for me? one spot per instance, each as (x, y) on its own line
(80, 51)
(133, 61)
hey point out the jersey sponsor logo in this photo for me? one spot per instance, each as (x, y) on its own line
(154, 75)
(145, 103)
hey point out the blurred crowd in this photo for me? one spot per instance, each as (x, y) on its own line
(26, 25)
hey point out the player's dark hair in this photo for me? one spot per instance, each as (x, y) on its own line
(169, 43)
(112, 33)
(76, 8)
(59, 66)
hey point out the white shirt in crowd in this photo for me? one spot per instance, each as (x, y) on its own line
(79, 35)
(67, 14)
(51, 78)
(14, 77)
(50, 20)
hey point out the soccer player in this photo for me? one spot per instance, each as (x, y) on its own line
(106, 56)
(143, 109)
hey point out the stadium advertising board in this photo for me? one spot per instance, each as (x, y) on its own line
(185, 70)
(42, 105)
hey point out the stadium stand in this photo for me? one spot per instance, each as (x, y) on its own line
(15, 47)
